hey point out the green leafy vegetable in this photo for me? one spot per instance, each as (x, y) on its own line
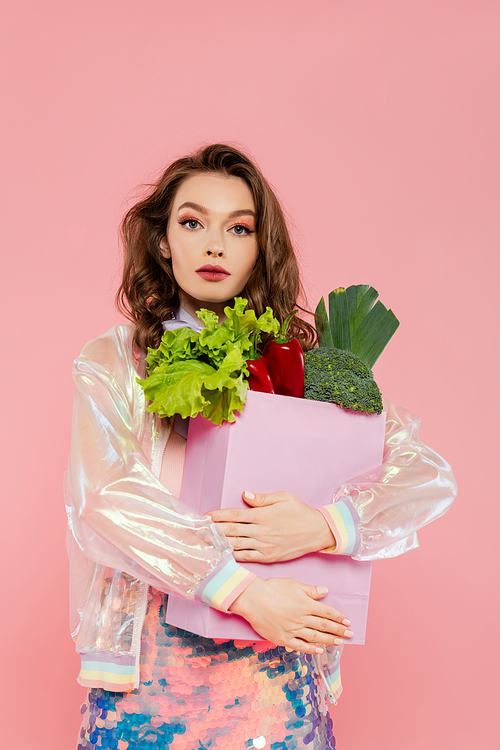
(205, 373)
(339, 313)
(357, 322)
(326, 334)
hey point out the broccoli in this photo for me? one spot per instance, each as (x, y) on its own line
(340, 377)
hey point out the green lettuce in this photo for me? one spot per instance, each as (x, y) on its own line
(205, 373)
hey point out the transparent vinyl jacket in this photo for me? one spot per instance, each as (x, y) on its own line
(125, 530)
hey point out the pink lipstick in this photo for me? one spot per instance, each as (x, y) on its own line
(212, 273)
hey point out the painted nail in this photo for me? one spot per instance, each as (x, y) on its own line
(322, 590)
(249, 495)
(348, 633)
(346, 622)
(338, 641)
(320, 650)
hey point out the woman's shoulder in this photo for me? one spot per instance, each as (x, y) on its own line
(112, 350)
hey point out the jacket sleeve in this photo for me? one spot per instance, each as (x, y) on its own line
(119, 513)
(377, 515)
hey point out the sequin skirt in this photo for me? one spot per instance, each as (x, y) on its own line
(197, 693)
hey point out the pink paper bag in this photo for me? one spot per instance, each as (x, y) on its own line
(277, 443)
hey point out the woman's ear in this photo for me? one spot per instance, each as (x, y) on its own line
(165, 250)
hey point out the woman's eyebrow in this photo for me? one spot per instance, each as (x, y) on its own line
(205, 211)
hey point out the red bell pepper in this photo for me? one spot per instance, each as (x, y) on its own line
(285, 363)
(259, 378)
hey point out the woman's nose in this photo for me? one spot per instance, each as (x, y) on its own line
(215, 249)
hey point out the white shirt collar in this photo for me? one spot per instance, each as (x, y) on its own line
(182, 319)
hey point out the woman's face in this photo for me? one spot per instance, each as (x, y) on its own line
(211, 240)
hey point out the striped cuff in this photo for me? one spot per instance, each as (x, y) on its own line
(343, 520)
(224, 584)
(108, 671)
(328, 666)
(334, 682)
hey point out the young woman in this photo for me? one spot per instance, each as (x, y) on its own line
(209, 230)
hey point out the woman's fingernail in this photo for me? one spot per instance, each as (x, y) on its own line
(338, 641)
(249, 495)
(348, 633)
(322, 590)
(346, 622)
(320, 650)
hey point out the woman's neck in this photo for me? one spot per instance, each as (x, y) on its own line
(192, 305)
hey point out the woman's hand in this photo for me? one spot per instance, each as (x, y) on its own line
(286, 613)
(277, 527)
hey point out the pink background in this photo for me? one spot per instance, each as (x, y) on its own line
(378, 124)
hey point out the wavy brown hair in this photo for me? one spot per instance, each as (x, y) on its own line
(149, 293)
